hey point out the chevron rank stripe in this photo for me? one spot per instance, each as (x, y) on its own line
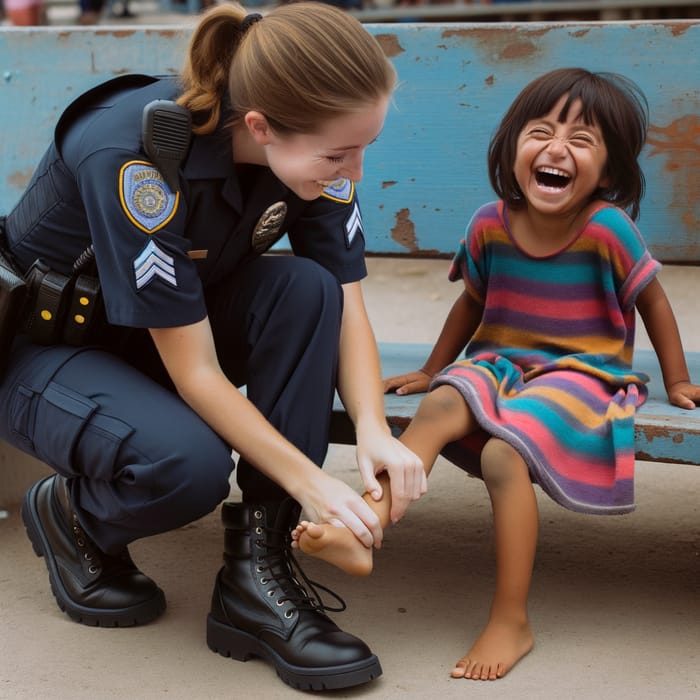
(152, 263)
(353, 224)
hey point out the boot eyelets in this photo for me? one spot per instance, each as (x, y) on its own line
(258, 531)
(264, 581)
(80, 543)
(93, 569)
(271, 593)
(88, 556)
(289, 613)
(281, 602)
(258, 515)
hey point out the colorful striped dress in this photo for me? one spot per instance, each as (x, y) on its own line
(549, 369)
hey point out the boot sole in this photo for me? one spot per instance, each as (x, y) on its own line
(241, 646)
(94, 617)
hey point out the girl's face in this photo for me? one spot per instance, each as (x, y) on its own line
(559, 165)
(306, 163)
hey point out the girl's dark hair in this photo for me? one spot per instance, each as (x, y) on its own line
(612, 102)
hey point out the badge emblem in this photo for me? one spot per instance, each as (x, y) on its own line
(268, 228)
(145, 197)
(340, 191)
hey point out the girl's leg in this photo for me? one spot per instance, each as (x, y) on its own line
(442, 417)
(507, 636)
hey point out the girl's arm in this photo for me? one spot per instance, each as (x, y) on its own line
(189, 356)
(459, 326)
(660, 323)
(360, 388)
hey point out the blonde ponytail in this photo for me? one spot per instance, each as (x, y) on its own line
(205, 76)
(300, 65)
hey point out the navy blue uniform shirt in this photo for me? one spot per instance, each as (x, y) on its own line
(159, 253)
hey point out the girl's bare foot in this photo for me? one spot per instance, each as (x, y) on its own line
(335, 545)
(499, 647)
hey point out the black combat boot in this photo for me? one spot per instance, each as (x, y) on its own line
(260, 609)
(91, 586)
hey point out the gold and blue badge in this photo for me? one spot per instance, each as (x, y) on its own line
(145, 196)
(340, 191)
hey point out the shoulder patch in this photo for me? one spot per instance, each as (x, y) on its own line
(145, 196)
(340, 191)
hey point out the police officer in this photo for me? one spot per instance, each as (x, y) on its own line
(139, 423)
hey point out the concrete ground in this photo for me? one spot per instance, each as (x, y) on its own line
(615, 601)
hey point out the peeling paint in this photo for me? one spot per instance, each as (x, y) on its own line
(390, 44)
(21, 178)
(404, 232)
(678, 28)
(679, 144)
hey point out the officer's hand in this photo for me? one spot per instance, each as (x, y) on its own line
(329, 500)
(380, 452)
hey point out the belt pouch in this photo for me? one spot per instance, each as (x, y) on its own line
(47, 315)
(85, 317)
(13, 293)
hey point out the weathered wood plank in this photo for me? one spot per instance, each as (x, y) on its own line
(663, 433)
(427, 172)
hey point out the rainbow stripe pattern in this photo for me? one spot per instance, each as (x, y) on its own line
(549, 369)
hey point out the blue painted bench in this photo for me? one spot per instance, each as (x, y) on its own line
(426, 174)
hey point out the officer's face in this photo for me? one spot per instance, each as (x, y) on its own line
(306, 163)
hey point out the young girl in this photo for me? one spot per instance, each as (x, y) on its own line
(546, 392)
(140, 430)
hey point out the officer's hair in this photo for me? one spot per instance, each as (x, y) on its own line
(302, 64)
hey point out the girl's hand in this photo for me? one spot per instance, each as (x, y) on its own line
(684, 395)
(411, 383)
(378, 451)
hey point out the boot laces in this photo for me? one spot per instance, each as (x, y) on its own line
(284, 568)
(86, 546)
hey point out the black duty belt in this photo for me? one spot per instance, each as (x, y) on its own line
(50, 307)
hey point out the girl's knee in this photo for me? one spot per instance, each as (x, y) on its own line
(500, 462)
(443, 404)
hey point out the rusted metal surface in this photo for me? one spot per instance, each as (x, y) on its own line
(663, 433)
(427, 173)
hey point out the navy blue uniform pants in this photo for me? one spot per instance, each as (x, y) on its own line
(138, 459)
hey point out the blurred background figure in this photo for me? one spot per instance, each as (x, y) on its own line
(25, 13)
(120, 9)
(90, 11)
